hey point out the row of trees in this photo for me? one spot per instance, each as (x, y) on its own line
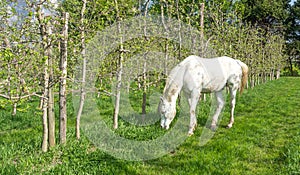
(42, 46)
(33, 61)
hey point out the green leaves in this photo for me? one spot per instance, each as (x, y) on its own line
(7, 55)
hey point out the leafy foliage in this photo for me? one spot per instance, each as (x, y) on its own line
(266, 13)
(248, 30)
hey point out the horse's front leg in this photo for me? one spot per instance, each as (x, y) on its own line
(193, 100)
(193, 122)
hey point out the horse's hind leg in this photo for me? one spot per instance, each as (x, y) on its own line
(233, 91)
(193, 100)
(220, 105)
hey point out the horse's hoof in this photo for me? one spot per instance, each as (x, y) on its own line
(190, 134)
(172, 152)
(213, 128)
(229, 126)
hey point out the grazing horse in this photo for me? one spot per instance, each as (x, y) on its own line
(195, 75)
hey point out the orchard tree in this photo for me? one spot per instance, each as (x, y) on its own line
(20, 68)
(26, 52)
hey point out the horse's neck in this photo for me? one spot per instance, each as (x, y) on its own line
(174, 83)
(172, 91)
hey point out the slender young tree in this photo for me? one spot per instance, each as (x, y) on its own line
(162, 14)
(51, 112)
(144, 101)
(202, 7)
(82, 88)
(63, 81)
(42, 28)
(120, 69)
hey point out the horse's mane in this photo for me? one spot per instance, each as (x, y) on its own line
(172, 87)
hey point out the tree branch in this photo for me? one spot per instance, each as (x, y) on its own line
(21, 97)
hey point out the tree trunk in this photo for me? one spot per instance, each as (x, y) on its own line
(14, 111)
(202, 54)
(202, 29)
(51, 118)
(42, 28)
(119, 72)
(45, 108)
(144, 86)
(9, 76)
(82, 88)
(166, 44)
(291, 66)
(45, 112)
(51, 113)
(41, 103)
(63, 82)
(179, 31)
(144, 102)
(278, 73)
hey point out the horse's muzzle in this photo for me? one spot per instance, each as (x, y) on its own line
(165, 124)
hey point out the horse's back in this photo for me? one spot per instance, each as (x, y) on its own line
(217, 67)
(221, 66)
(211, 74)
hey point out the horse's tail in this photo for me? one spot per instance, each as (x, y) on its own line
(244, 75)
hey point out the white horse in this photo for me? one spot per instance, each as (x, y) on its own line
(195, 75)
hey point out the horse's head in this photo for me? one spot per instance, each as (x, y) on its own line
(167, 112)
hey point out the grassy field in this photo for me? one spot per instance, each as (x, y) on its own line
(264, 140)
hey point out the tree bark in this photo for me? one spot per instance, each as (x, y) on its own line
(42, 28)
(63, 82)
(82, 88)
(144, 102)
(51, 113)
(203, 95)
(166, 59)
(119, 72)
(277, 73)
(202, 29)
(179, 33)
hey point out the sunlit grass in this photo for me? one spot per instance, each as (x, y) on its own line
(263, 140)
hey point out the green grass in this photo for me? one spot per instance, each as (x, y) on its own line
(264, 140)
